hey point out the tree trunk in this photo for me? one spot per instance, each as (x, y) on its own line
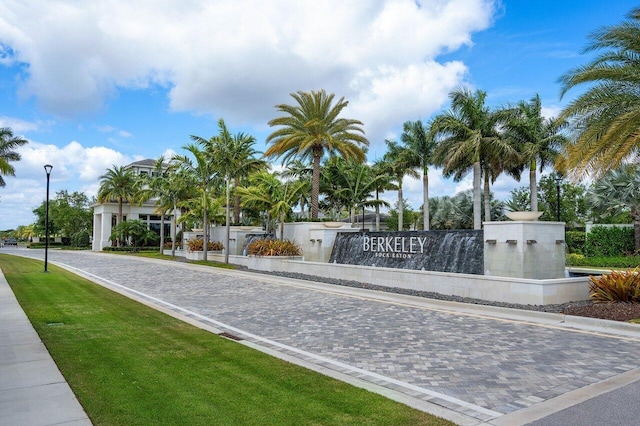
(281, 226)
(226, 219)
(425, 198)
(174, 226)
(236, 203)
(487, 198)
(161, 232)
(315, 185)
(400, 205)
(119, 221)
(205, 225)
(477, 202)
(533, 188)
(377, 214)
(635, 215)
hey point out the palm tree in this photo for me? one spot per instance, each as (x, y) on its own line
(233, 157)
(8, 143)
(203, 173)
(353, 185)
(470, 136)
(120, 185)
(397, 163)
(606, 118)
(268, 193)
(420, 145)
(618, 190)
(384, 182)
(539, 140)
(312, 128)
(296, 170)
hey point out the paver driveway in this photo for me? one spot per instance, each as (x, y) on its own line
(475, 364)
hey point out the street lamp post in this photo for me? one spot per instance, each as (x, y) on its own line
(363, 218)
(47, 170)
(558, 180)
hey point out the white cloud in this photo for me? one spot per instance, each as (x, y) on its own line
(19, 126)
(238, 59)
(75, 168)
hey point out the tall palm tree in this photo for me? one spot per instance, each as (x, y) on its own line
(420, 145)
(605, 119)
(233, 157)
(8, 144)
(469, 135)
(538, 139)
(203, 173)
(397, 163)
(312, 128)
(120, 185)
(618, 190)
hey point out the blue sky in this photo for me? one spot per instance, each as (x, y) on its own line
(92, 84)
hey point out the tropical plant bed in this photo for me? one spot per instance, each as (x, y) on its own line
(618, 311)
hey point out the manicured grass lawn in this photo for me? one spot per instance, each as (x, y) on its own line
(157, 255)
(131, 365)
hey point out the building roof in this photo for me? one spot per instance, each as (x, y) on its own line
(147, 163)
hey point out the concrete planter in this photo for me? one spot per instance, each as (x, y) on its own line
(195, 255)
(270, 263)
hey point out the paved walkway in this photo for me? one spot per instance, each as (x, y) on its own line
(32, 390)
(471, 364)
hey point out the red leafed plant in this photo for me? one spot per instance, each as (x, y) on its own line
(618, 286)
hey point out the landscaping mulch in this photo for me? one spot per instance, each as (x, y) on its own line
(611, 311)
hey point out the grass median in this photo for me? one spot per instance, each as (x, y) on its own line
(132, 365)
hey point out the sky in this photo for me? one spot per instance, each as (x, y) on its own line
(107, 82)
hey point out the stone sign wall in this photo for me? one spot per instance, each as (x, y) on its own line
(443, 251)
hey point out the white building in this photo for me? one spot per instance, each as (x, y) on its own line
(105, 214)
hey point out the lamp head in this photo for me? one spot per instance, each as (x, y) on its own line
(47, 169)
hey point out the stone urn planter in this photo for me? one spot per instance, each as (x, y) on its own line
(333, 224)
(523, 215)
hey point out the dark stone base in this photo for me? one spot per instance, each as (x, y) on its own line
(444, 251)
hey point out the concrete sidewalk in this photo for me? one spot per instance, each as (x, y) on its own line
(32, 390)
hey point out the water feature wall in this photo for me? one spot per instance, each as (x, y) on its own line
(249, 238)
(459, 251)
(524, 249)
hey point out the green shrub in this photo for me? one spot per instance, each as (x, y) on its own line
(274, 248)
(575, 241)
(80, 239)
(126, 249)
(575, 259)
(41, 245)
(614, 241)
(622, 286)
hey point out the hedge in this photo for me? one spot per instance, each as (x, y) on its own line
(609, 241)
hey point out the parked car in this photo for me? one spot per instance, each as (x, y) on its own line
(11, 242)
